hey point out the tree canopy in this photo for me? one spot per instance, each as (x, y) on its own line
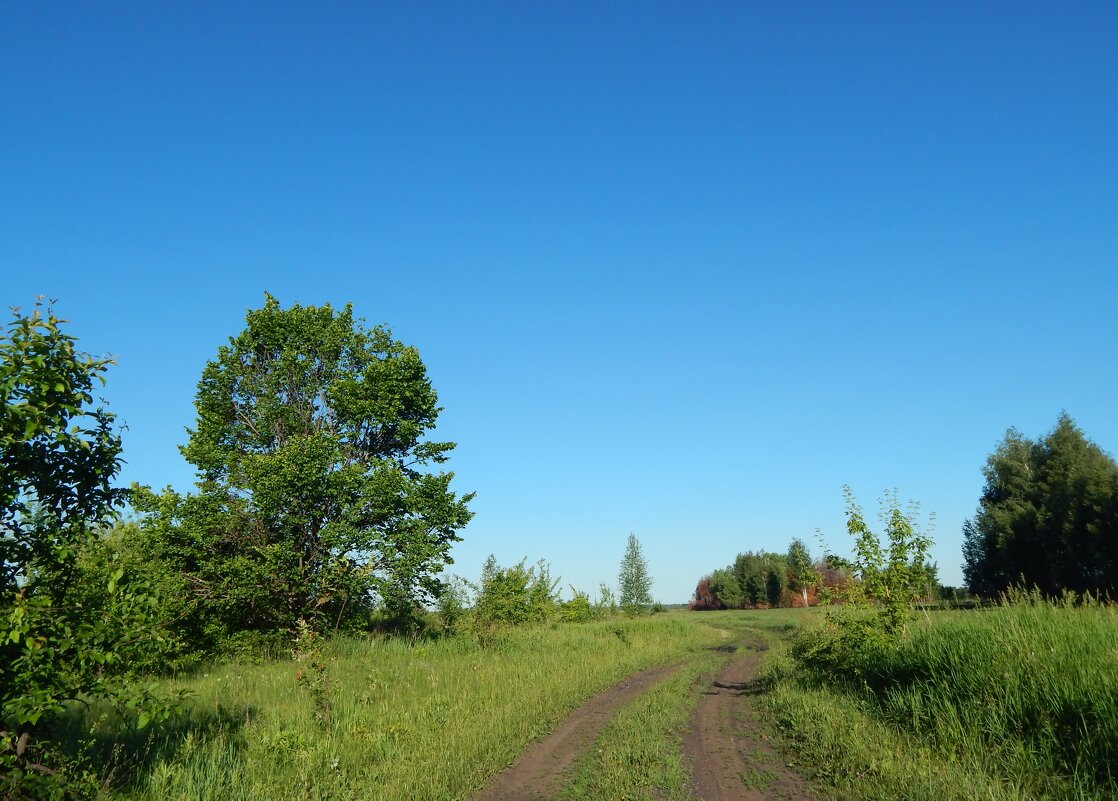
(315, 496)
(1047, 518)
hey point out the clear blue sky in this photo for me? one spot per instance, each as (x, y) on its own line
(680, 269)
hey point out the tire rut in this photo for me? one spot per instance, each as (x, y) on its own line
(731, 757)
(540, 772)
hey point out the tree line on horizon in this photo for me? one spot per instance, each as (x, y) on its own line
(793, 579)
(1047, 521)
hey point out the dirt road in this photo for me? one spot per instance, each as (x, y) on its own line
(541, 771)
(730, 755)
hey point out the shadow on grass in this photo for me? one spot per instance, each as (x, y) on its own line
(115, 749)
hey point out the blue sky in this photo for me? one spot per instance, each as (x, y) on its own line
(680, 269)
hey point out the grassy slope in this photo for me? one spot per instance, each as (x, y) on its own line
(429, 721)
(1012, 703)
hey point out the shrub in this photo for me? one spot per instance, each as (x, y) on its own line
(515, 595)
(579, 609)
(885, 581)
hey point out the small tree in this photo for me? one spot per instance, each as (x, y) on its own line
(801, 569)
(633, 580)
(58, 642)
(884, 581)
(888, 578)
(607, 600)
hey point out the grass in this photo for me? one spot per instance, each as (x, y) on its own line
(1015, 702)
(406, 721)
(1004, 704)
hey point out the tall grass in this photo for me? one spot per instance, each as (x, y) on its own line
(1025, 694)
(429, 720)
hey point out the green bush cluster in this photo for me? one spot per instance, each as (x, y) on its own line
(515, 595)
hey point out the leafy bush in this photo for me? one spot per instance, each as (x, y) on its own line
(515, 595)
(877, 601)
(450, 604)
(59, 642)
(578, 609)
(607, 601)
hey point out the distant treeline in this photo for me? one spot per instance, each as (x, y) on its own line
(1047, 521)
(765, 580)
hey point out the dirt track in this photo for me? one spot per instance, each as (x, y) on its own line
(540, 772)
(730, 755)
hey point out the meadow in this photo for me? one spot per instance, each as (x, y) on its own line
(404, 720)
(1018, 701)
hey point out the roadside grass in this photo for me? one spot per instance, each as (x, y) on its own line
(1014, 702)
(428, 720)
(639, 755)
(1006, 704)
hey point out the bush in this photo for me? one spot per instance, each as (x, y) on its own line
(579, 609)
(515, 595)
(885, 581)
(1029, 686)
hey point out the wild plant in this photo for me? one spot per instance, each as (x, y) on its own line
(875, 606)
(311, 671)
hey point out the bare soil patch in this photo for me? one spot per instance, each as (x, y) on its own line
(731, 757)
(541, 771)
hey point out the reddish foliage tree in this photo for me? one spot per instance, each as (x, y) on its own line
(830, 578)
(705, 599)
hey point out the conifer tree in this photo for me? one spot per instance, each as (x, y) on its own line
(633, 580)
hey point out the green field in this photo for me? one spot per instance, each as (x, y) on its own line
(1016, 702)
(430, 720)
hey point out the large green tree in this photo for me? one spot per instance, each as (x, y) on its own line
(315, 493)
(1048, 516)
